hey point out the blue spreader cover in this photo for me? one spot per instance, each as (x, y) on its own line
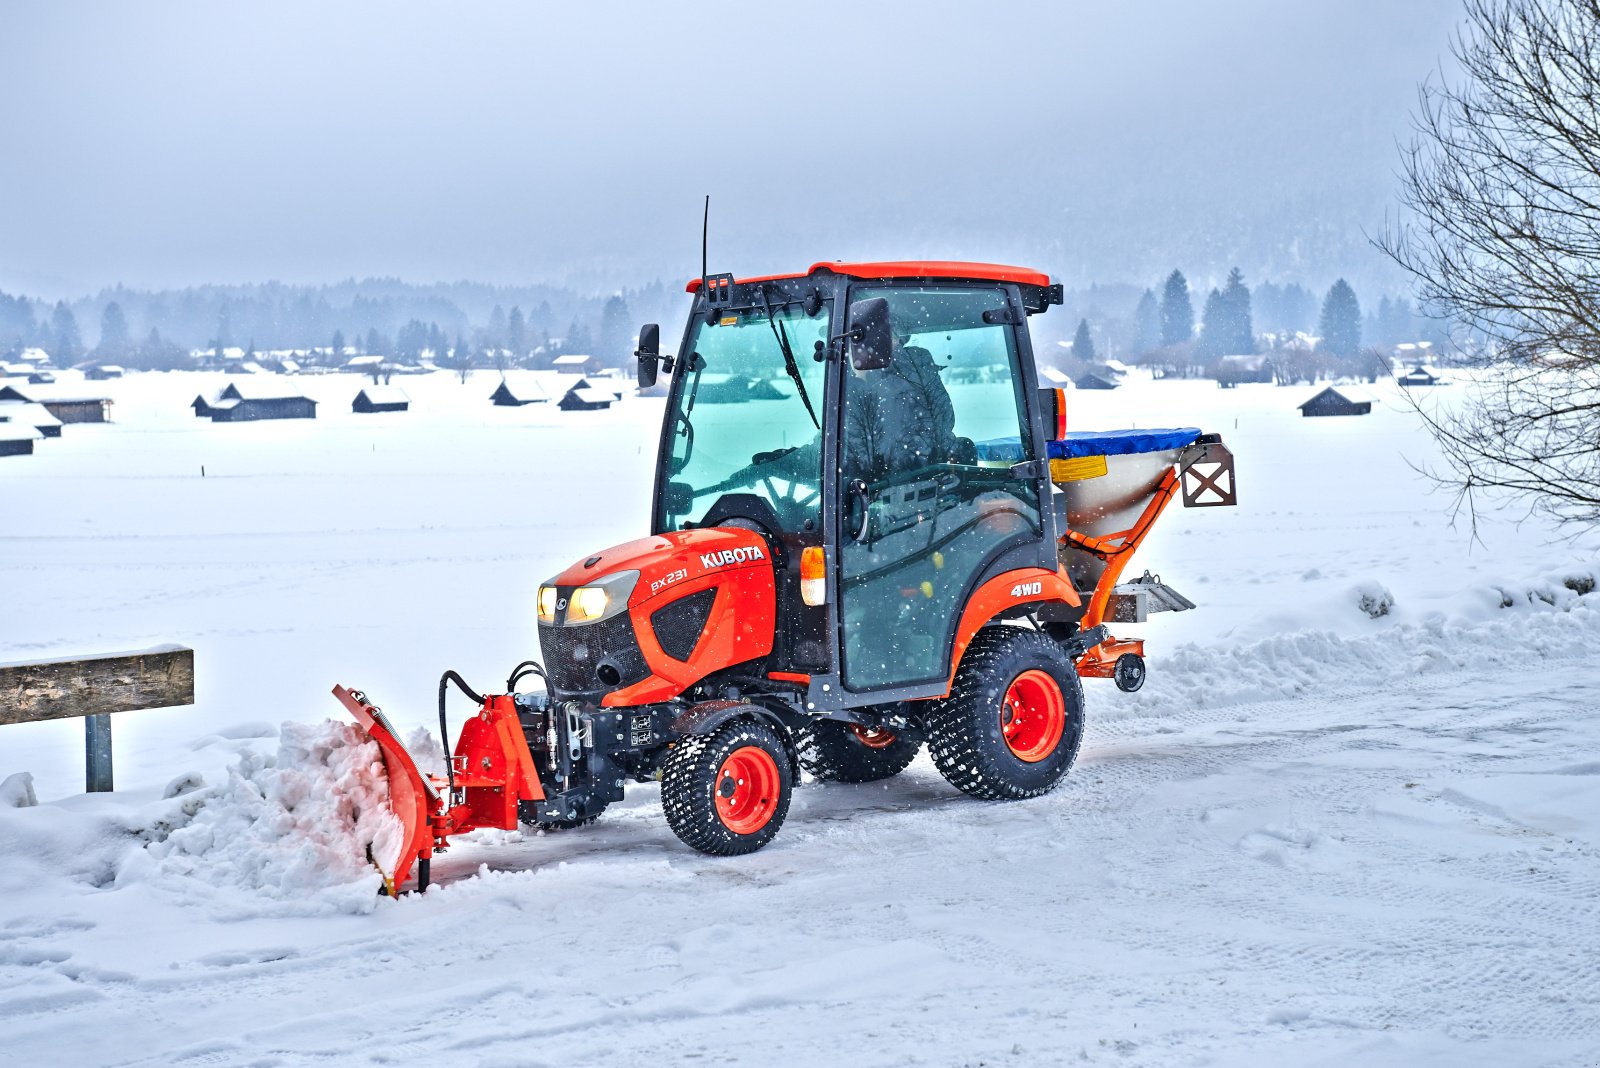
(1120, 442)
(1094, 443)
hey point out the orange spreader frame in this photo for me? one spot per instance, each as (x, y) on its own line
(1116, 550)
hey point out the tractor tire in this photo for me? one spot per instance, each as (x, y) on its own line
(835, 751)
(727, 792)
(1012, 723)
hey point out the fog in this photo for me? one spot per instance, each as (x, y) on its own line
(176, 144)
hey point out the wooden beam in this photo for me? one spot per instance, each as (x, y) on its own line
(61, 689)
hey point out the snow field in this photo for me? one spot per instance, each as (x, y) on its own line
(1315, 837)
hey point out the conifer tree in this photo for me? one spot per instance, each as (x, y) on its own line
(1082, 343)
(1177, 313)
(615, 332)
(517, 335)
(1340, 325)
(1215, 327)
(67, 345)
(1239, 337)
(1147, 322)
(113, 333)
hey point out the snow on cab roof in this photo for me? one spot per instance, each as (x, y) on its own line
(988, 272)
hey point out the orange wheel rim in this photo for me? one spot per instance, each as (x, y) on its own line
(1034, 716)
(746, 789)
(873, 737)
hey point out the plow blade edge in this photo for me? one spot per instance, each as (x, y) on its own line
(413, 800)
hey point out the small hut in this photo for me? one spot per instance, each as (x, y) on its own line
(512, 396)
(733, 389)
(363, 364)
(40, 378)
(21, 413)
(1419, 376)
(1231, 370)
(17, 440)
(576, 364)
(252, 400)
(78, 409)
(1333, 402)
(102, 372)
(586, 398)
(1096, 379)
(381, 399)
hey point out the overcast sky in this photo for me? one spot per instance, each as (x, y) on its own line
(177, 143)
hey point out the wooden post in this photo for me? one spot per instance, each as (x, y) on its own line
(94, 687)
(97, 752)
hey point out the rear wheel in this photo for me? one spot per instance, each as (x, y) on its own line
(727, 793)
(834, 751)
(1012, 723)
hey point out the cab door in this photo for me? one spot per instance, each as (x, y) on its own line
(929, 505)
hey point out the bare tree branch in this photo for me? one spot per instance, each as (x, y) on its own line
(1502, 183)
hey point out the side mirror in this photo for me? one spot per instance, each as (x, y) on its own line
(871, 341)
(648, 354)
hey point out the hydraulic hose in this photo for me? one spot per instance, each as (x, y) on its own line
(444, 731)
(524, 669)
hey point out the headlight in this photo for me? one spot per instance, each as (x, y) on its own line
(598, 600)
(587, 604)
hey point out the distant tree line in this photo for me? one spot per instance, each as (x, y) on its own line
(1301, 337)
(461, 322)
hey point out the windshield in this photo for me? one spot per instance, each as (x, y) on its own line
(740, 423)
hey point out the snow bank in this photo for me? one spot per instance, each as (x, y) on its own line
(1551, 617)
(295, 828)
(297, 825)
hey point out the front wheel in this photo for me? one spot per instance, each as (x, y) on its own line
(727, 793)
(1012, 723)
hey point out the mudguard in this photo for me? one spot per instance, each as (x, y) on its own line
(709, 716)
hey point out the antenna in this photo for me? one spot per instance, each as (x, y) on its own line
(705, 223)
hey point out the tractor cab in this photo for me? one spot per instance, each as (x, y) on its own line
(878, 424)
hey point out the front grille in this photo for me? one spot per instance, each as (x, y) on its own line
(679, 625)
(578, 659)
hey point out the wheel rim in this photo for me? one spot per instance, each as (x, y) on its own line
(872, 737)
(746, 789)
(1034, 716)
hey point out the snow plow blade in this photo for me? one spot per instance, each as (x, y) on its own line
(412, 798)
(488, 781)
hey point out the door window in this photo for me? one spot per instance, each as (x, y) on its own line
(926, 453)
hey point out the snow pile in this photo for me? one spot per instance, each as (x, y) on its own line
(1546, 619)
(17, 791)
(297, 825)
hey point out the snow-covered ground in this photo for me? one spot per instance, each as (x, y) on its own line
(1315, 837)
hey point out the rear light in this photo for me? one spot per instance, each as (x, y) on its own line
(813, 576)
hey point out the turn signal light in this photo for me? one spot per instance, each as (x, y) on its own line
(813, 576)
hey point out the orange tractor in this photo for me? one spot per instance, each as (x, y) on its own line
(871, 531)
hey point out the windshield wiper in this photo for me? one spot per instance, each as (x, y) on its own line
(789, 362)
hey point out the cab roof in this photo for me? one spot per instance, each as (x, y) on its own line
(981, 272)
